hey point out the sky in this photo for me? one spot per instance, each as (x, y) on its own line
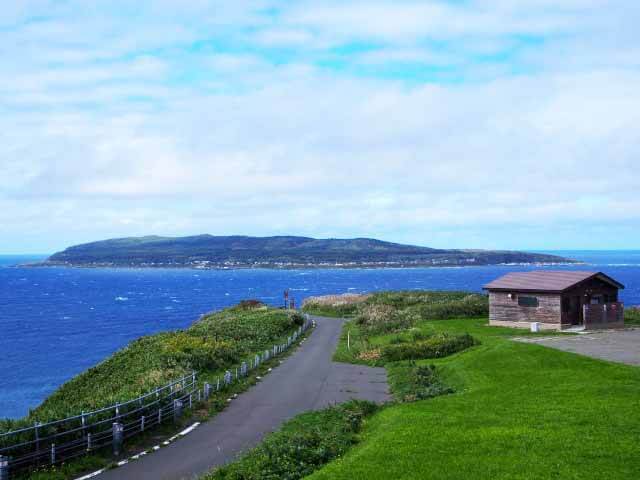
(511, 124)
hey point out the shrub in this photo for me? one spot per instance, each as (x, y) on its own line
(345, 305)
(249, 304)
(198, 353)
(437, 346)
(632, 315)
(470, 306)
(378, 319)
(297, 319)
(410, 382)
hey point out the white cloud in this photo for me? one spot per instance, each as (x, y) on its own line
(191, 123)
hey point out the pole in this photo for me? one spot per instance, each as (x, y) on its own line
(4, 468)
(177, 410)
(118, 438)
(36, 425)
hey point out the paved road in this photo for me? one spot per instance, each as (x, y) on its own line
(306, 380)
(617, 346)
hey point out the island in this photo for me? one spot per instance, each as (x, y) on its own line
(226, 252)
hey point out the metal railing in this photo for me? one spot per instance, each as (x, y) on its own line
(51, 443)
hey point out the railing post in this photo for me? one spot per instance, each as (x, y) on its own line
(53, 453)
(84, 425)
(118, 438)
(117, 411)
(142, 423)
(4, 468)
(207, 390)
(89, 442)
(35, 426)
(190, 401)
(159, 416)
(177, 410)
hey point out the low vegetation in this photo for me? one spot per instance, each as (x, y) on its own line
(302, 445)
(216, 342)
(632, 316)
(511, 410)
(435, 346)
(410, 381)
(345, 305)
(405, 307)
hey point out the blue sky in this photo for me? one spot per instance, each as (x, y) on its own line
(462, 124)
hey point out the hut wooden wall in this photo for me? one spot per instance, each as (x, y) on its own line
(504, 309)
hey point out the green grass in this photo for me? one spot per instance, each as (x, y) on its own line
(342, 311)
(301, 445)
(520, 411)
(409, 305)
(632, 316)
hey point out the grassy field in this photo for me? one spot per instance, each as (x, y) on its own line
(519, 411)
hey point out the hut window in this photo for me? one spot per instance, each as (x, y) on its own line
(527, 301)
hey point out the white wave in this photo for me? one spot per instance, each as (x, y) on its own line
(121, 299)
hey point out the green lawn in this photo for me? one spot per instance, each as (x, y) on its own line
(520, 411)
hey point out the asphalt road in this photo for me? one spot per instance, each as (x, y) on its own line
(615, 345)
(306, 380)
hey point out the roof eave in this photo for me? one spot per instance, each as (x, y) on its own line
(525, 290)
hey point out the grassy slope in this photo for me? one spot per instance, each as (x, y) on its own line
(216, 342)
(522, 411)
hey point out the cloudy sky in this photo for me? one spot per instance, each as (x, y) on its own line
(459, 123)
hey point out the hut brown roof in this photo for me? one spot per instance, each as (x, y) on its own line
(546, 280)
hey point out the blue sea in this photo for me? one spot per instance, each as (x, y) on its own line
(57, 322)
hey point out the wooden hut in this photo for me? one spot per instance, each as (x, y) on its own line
(555, 300)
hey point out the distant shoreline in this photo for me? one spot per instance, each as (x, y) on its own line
(389, 266)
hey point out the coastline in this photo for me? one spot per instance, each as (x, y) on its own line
(338, 266)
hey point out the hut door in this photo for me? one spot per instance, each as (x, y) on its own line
(575, 310)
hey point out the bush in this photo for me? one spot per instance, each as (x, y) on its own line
(471, 307)
(410, 382)
(437, 346)
(632, 315)
(345, 305)
(379, 319)
(297, 319)
(249, 304)
(303, 445)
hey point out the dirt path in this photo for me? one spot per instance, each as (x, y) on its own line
(306, 380)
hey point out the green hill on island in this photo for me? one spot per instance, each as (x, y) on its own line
(207, 251)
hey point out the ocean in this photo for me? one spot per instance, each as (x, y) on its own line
(57, 322)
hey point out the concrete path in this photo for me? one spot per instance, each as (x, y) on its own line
(306, 380)
(615, 345)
